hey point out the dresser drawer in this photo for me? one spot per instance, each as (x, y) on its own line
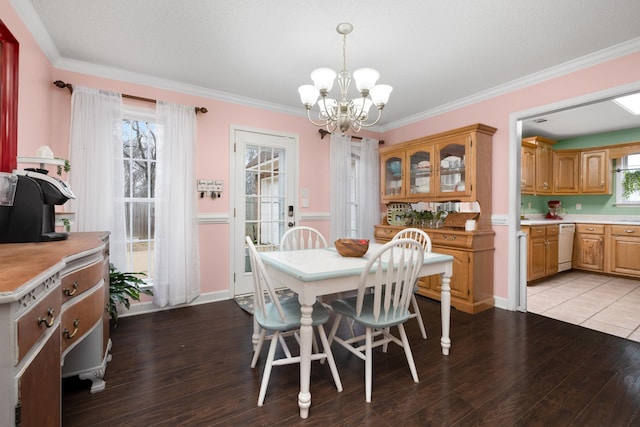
(78, 281)
(33, 324)
(625, 230)
(590, 228)
(81, 315)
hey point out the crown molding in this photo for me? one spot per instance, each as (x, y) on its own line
(586, 61)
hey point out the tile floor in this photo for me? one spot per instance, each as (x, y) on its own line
(604, 303)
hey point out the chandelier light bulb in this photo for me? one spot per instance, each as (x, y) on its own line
(323, 78)
(380, 95)
(308, 95)
(366, 79)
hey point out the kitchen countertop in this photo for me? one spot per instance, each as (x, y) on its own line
(538, 219)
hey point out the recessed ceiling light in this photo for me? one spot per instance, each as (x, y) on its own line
(631, 103)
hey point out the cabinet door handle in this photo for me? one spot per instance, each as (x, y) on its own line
(69, 293)
(68, 335)
(47, 323)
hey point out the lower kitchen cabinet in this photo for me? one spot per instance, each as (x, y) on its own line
(589, 248)
(542, 251)
(472, 278)
(625, 249)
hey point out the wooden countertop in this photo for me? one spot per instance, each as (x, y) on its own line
(21, 263)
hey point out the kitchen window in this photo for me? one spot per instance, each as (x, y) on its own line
(628, 170)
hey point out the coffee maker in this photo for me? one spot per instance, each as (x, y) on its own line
(31, 217)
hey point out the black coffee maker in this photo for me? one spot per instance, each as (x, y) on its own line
(32, 216)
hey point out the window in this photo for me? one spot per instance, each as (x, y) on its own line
(628, 170)
(139, 156)
(354, 205)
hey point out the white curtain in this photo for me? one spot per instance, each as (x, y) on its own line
(340, 161)
(369, 188)
(97, 171)
(176, 261)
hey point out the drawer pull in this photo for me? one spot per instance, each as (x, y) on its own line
(629, 231)
(69, 293)
(590, 229)
(445, 237)
(51, 317)
(67, 334)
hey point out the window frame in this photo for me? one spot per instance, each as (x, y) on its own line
(622, 164)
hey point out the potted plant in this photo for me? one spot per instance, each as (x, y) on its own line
(631, 182)
(122, 287)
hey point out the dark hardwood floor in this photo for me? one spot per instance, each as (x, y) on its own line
(190, 367)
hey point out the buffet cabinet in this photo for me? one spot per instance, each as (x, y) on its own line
(448, 166)
(472, 278)
(53, 323)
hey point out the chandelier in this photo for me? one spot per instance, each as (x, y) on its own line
(344, 113)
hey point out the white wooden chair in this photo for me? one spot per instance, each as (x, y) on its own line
(425, 241)
(302, 237)
(282, 318)
(382, 303)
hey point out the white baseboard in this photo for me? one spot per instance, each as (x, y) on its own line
(149, 307)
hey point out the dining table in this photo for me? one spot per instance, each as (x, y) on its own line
(312, 273)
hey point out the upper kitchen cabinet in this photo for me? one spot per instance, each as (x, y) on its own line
(595, 172)
(566, 172)
(537, 165)
(441, 167)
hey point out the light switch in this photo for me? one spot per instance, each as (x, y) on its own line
(305, 203)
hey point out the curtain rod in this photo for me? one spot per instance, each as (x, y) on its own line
(324, 132)
(62, 85)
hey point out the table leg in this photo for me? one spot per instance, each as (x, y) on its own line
(445, 307)
(306, 332)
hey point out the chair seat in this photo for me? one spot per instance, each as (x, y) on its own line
(347, 307)
(292, 315)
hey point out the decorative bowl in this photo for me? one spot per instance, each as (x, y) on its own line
(352, 247)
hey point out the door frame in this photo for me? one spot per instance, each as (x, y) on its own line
(516, 291)
(295, 141)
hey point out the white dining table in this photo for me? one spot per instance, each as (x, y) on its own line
(312, 273)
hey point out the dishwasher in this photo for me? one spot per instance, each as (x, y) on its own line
(565, 246)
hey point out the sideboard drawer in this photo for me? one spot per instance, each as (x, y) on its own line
(33, 324)
(79, 317)
(78, 281)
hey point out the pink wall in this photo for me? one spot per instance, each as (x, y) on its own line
(44, 119)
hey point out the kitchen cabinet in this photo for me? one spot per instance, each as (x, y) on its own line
(595, 172)
(625, 249)
(566, 172)
(543, 164)
(528, 169)
(52, 315)
(542, 251)
(472, 278)
(449, 166)
(589, 247)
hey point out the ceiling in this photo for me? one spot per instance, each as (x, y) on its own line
(437, 55)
